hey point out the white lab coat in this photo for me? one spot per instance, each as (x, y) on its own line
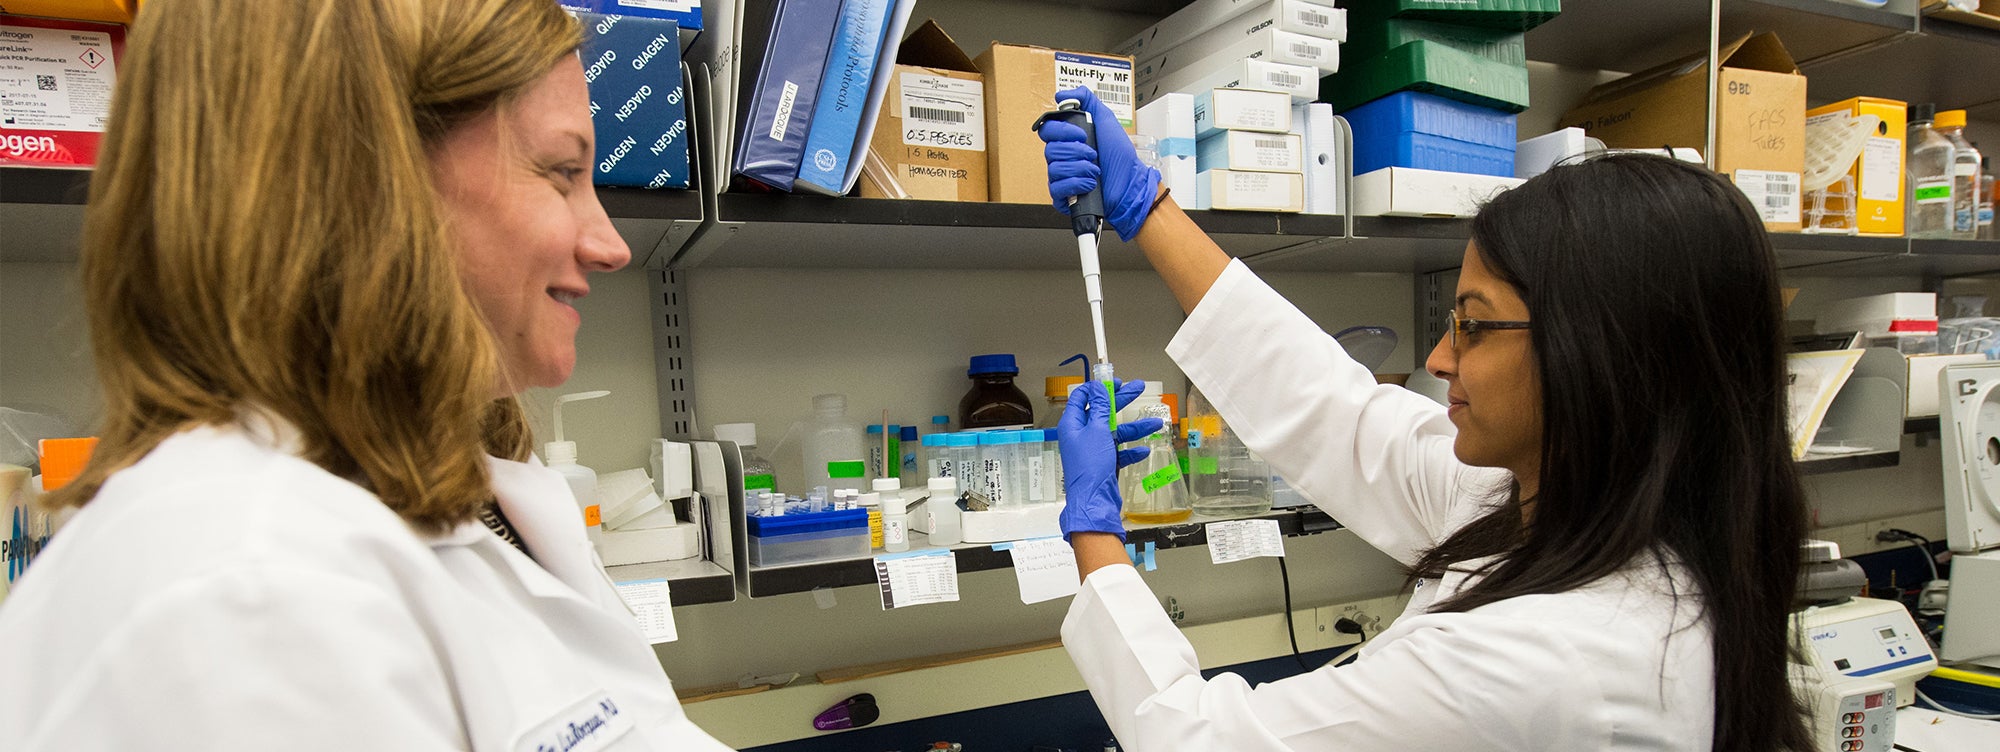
(1621, 664)
(223, 594)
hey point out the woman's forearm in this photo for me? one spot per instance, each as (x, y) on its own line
(1183, 255)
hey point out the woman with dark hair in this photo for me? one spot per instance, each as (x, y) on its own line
(1602, 526)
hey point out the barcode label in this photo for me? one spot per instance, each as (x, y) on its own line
(934, 115)
(941, 111)
(1313, 18)
(1304, 51)
(1774, 194)
(1113, 93)
(1284, 80)
(1269, 143)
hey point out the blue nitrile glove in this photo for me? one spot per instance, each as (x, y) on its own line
(1091, 457)
(1129, 184)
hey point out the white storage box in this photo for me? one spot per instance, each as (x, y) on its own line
(1891, 314)
(1410, 192)
(1251, 191)
(1241, 110)
(1300, 82)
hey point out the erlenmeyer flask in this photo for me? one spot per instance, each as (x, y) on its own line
(1154, 490)
(1226, 478)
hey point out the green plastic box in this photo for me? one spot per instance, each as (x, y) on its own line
(1514, 15)
(1367, 40)
(1432, 68)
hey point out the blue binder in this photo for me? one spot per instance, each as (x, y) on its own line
(773, 135)
(837, 116)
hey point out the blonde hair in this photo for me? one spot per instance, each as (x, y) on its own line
(264, 231)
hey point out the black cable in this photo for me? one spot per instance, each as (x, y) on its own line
(1291, 632)
(1922, 544)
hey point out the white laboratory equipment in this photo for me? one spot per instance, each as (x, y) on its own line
(1969, 419)
(1864, 658)
(638, 511)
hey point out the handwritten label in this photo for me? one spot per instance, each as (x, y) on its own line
(1045, 569)
(1236, 540)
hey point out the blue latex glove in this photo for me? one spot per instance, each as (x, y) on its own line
(1091, 457)
(1074, 169)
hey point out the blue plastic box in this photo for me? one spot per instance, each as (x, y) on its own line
(801, 538)
(1429, 132)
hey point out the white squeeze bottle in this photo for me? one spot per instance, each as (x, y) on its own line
(582, 480)
(946, 528)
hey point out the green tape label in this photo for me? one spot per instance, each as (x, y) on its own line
(1160, 477)
(1206, 466)
(854, 469)
(1933, 192)
(765, 482)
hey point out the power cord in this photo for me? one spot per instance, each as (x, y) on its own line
(1940, 707)
(1922, 544)
(1342, 625)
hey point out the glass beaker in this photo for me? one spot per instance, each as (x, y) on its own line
(1155, 491)
(1226, 478)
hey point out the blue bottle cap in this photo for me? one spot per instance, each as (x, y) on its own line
(1028, 437)
(962, 439)
(935, 439)
(985, 364)
(874, 428)
(940, 420)
(909, 433)
(1049, 434)
(995, 438)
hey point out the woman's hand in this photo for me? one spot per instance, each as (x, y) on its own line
(1076, 169)
(1091, 457)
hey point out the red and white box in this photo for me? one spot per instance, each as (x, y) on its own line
(56, 80)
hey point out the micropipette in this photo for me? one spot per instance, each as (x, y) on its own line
(1086, 213)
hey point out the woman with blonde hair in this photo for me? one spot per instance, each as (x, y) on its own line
(327, 243)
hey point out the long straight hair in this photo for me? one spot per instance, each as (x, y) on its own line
(264, 233)
(1659, 340)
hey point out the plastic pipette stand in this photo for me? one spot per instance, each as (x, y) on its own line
(1086, 213)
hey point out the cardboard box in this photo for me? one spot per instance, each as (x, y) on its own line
(1251, 191)
(56, 79)
(1877, 174)
(109, 11)
(1249, 151)
(1203, 16)
(1301, 82)
(1021, 84)
(1760, 119)
(930, 141)
(637, 100)
(1409, 192)
(1241, 110)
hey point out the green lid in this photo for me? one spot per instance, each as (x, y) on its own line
(1431, 68)
(1367, 40)
(1514, 15)
(854, 469)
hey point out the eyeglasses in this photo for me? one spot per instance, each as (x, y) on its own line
(1464, 330)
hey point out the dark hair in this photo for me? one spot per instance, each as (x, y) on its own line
(1659, 339)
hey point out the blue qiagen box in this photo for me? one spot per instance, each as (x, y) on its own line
(1429, 132)
(637, 101)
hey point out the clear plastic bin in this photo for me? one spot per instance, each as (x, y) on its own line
(802, 538)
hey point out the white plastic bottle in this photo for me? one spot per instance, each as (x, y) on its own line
(582, 481)
(1928, 167)
(830, 437)
(946, 527)
(1964, 175)
(758, 473)
(895, 523)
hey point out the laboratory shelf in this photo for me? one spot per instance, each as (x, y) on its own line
(1930, 259)
(762, 582)
(1816, 464)
(42, 211)
(689, 581)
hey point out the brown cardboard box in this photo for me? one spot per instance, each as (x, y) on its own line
(1760, 119)
(930, 142)
(1021, 84)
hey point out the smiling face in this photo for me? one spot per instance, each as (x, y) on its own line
(516, 188)
(1495, 395)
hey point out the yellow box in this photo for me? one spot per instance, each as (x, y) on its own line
(1877, 174)
(114, 11)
